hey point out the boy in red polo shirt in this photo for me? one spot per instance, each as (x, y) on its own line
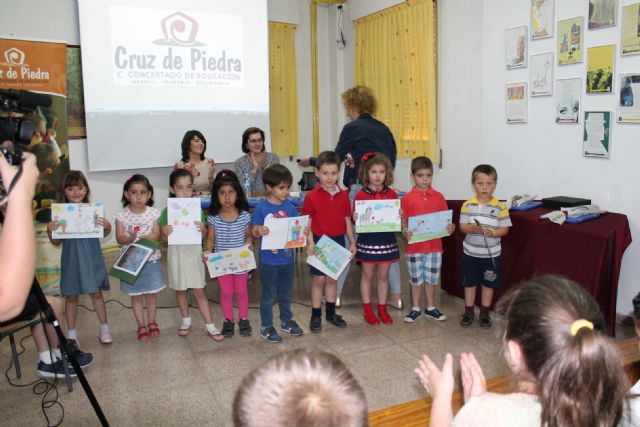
(423, 258)
(329, 211)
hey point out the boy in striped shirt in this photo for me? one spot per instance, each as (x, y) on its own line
(484, 220)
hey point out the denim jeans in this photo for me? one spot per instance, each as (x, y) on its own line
(277, 281)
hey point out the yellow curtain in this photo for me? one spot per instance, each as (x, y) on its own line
(283, 97)
(396, 56)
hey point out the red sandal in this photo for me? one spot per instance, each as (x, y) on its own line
(154, 330)
(142, 333)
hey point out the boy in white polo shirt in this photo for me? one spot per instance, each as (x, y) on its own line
(484, 220)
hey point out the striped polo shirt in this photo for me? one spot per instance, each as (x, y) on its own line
(229, 234)
(491, 215)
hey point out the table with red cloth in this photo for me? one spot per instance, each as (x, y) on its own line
(589, 253)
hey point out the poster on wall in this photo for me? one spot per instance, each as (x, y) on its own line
(542, 12)
(630, 31)
(629, 100)
(596, 140)
(568, 100)
(516, 47)
(75, 94)
(37, 66)
(542, 74)
(600, 67)
(602, 13)
(570, 41)
(516, 102)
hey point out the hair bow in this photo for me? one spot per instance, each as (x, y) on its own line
(367, 156)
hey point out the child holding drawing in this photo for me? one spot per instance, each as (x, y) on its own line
(423, 258)
(276, 266)
(378, 249)
(329, 211)
(138, 220)
(83, 270)
(228, 228)
(185, 267)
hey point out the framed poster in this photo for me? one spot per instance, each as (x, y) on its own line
(516, 47)
(516, 102)
(629, 100)
(600, 65)
(596, 140)
(602, 13)
(568, 100)
(542, 74)
(630, 30)
(542, 12)
(570, 41)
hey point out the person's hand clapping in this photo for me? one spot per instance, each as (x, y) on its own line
(473, 381)
(439, 383)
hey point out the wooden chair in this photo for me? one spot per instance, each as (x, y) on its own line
(10, 329)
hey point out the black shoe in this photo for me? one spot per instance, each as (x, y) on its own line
(316, 324)
(227, 328)
(245, 327)
(467, 320)
(485, 321)
(337, 320)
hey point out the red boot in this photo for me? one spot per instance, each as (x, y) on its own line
(384, 316)
(369, 315)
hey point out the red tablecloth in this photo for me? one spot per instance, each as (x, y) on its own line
(589, 253)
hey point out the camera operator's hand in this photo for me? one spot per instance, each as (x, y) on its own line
(26, 186)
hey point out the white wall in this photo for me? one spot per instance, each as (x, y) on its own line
(540, 156)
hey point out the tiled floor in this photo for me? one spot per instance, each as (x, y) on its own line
(177, 381)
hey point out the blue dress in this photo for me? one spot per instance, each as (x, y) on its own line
(83, 268)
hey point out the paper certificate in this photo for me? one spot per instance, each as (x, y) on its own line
(285, 233)
(429, 226)
(77, 220)
(231, 261)
(376, 216)
(182, 213)
(330, 258)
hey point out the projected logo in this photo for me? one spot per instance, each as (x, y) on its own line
(14, 56)
(179, 29)
(159, 47)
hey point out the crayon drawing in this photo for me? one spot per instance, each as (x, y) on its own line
(231, 261)
(77, 220)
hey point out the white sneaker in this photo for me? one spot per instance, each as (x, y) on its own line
(338, 302)
(105, 338)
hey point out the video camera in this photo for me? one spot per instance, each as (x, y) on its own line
(14, 125)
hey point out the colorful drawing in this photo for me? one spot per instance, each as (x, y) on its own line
(630, 31)
(182, 214)
(600, 62)
(596, 139)
(330, 257)
(429, 226)
(375, 216)
(77, 220)
(570, 41)
(568, 100)
(602, 13)
(285, 233)
(542, 12)
(231, 261)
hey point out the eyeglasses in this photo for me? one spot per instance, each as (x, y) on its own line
(256, 141)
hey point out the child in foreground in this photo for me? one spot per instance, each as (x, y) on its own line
(300, 388)
(185, 267)
(424, 259)
(229, 228)
(329, 211)
(484, 220)
(567, 371)
(276, 266)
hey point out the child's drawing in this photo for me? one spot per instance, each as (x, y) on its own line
(77, 220)
(375, 216)
(285, 233)
(429, 226)
(330, 257)
(182, 213)
(231, 261)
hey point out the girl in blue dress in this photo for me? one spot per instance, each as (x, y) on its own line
(83, 268)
